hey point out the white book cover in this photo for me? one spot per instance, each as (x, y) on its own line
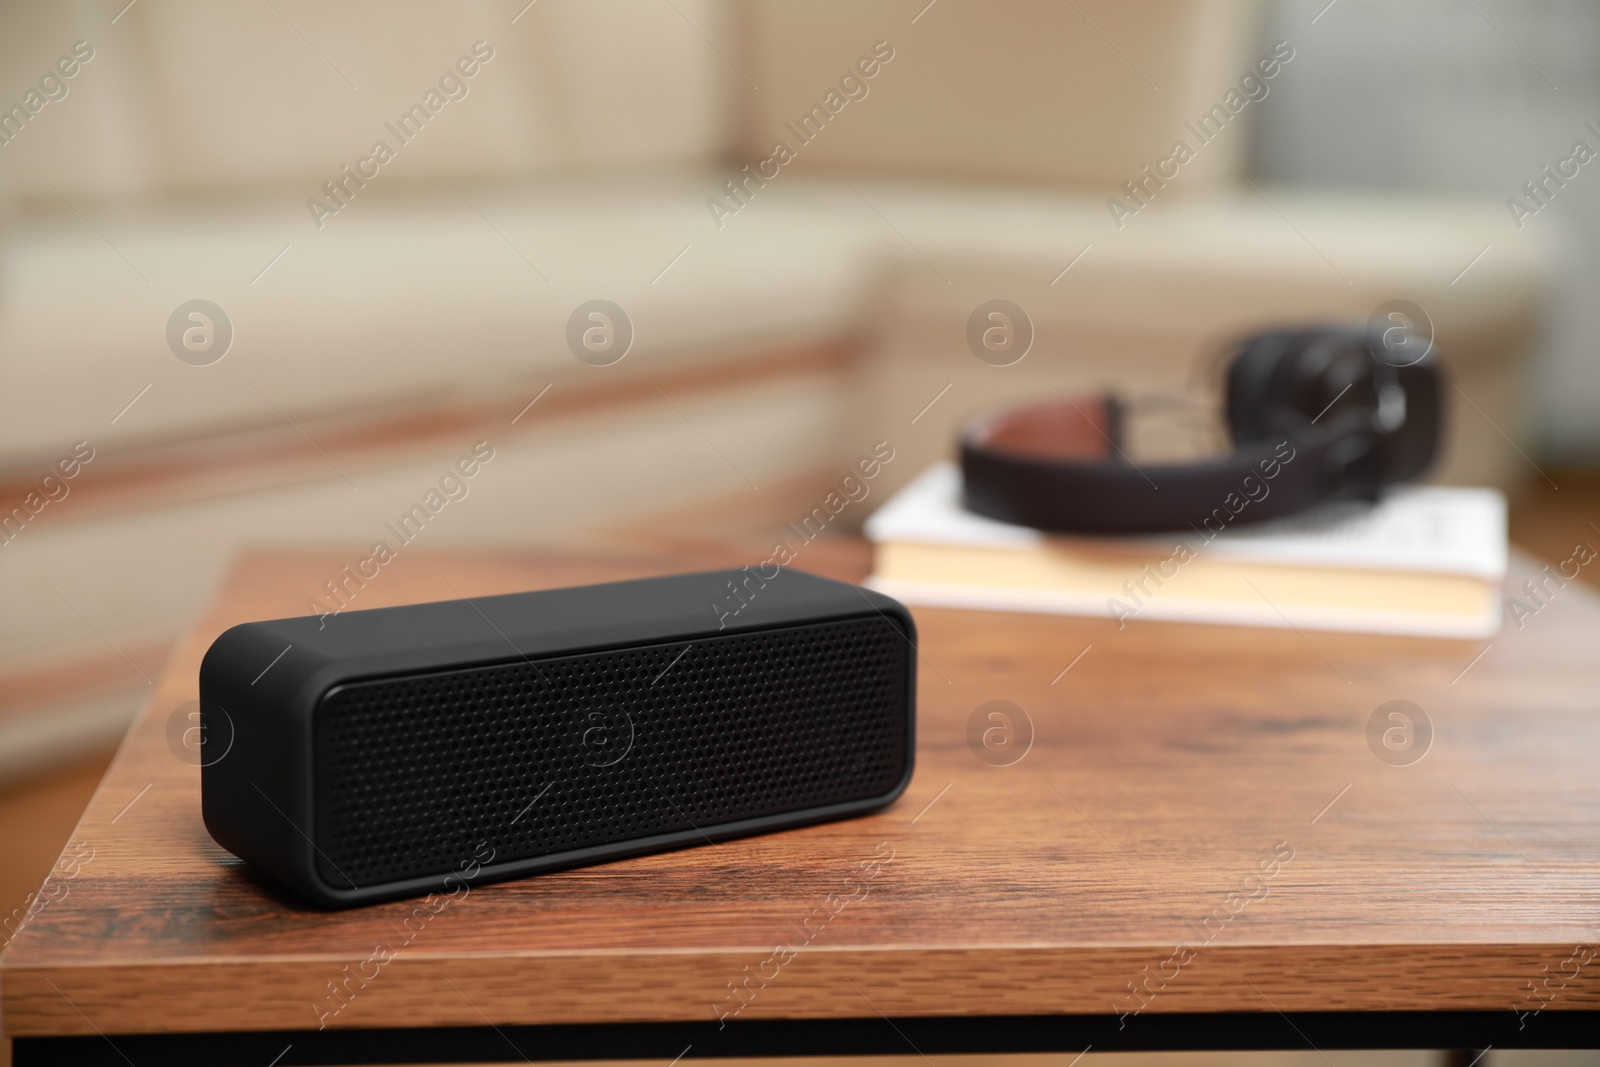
(1438, 529)
(1444, 531)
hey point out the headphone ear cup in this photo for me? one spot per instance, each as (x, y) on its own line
(1412, 450)
(1249, 394)
(1303, 375)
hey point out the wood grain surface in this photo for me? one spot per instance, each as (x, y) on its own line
(1199, 818)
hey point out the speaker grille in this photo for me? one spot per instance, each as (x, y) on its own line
(551, 755)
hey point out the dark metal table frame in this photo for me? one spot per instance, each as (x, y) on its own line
(667, 1043)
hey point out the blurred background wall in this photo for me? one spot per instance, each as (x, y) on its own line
(773, 314)
(1442, 97)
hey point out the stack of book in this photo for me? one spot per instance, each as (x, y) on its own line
(1424, 560)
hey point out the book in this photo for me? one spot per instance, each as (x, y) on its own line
(1423, 560)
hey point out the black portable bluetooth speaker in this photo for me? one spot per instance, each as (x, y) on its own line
(400, 751)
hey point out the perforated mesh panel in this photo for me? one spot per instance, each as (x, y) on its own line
(535, 758)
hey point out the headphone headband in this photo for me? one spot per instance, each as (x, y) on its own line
(1060, 465)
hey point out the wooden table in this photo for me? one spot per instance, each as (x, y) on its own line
(1198, 849)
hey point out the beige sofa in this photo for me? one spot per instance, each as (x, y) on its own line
(433, 309)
